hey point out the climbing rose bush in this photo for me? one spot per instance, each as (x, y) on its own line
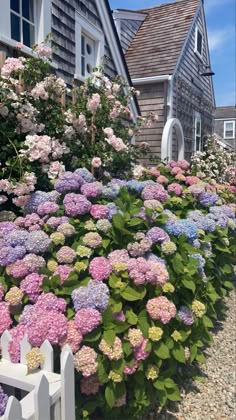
(129, 273)
(47, 129)
(214, 162)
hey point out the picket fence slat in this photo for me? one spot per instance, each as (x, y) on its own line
(47, 350)
(67, 385)
(50, 396)
(13, 410)
(25, 347)
(41, 400)
(5, 339)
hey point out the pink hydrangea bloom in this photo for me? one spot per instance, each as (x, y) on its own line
(154, 192)
(190, 180)
(46, 325)
(119, 255)
(73, 337)
(49, 301)
(161, 308)
(99, 211)
(17, 333)
(175, 188)
(1, 291)
(89, 385)
(139, 352)
(6, 320)
(183, 164)
(176, 171)
(66, 255)
(47, 208)
(100, 268)
(31, 286)
(86, 320)
(162, 179)
(157, 274)
(130, 370)
(63, 271)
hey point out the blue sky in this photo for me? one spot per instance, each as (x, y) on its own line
(221, 26)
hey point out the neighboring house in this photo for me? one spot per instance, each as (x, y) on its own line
(167, 53)
(225, 126)
(84, 36)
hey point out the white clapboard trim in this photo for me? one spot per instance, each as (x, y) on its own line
(50, 395)
(67, 385)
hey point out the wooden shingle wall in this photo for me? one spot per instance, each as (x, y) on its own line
(151, 99)
(192, 92)
(128, 30)
(63, 30)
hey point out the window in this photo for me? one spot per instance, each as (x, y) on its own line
(26, 21)
(197, 132)
(23, 21)
(198, 42)
(229, 129)
(89, 47)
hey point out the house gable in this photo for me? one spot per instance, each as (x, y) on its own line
(157, 45)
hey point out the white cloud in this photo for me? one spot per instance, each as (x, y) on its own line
(218, 37)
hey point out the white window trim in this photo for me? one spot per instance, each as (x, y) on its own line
(42, 24)
(197, 115)
(195, 46)
(82, 25)
(225, 123)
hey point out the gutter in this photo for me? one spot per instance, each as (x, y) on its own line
(151, 79)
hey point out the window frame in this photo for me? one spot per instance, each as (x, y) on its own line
(42, 14)
(197, 117)
(84, 27)
(21, 18)
(200, 55)
(233, 136)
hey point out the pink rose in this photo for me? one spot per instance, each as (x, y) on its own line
(96, 162)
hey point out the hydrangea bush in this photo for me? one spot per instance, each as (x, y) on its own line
(129, 273)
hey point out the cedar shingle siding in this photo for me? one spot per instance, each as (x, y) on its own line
(63, 29)
(164, 46)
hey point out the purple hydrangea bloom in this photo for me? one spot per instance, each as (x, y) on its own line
(120, 182)
(40, 197)
(6, 227)
(10, 255)
(207, 199)
(186, 315)
(85, 174)
(76, 204)
(157, 234)
(3, 401)
(68, 182)
(16, 237)
(152, 257)
(92, 190)
(113, 209)
(38, 242)
(95, 295)
(54, 222)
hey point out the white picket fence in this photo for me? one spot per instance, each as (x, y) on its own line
(43, 394)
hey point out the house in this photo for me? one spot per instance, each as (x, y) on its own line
(83, 32)
(167, 52)
(225, 126)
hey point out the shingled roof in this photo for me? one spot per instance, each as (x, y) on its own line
(225, 112)
(156, 47)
